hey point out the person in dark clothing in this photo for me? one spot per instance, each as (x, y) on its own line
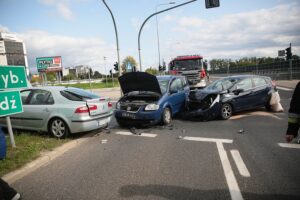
(7, 192)
(294, 115)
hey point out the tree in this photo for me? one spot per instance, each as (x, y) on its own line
(128, 60)
(97, 75)
(51, 76)
(152, 71)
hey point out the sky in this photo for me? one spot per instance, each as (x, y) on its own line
(82, 32)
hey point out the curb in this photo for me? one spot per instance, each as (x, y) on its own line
(43, 160)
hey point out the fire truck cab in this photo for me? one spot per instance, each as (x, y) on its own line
(190, 66)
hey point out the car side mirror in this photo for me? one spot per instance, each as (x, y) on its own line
(238, 91)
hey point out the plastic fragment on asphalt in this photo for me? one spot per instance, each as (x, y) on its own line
(103, 141)
(241, 131)
(179, 137)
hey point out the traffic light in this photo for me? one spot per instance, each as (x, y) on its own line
(212, 3)
(288, 53)
(160, 68)
(110, 71)
(116, 68)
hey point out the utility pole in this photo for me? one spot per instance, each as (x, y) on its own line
(104, 58)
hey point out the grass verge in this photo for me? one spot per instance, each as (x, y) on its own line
(29, 147)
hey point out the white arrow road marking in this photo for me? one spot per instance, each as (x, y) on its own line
(284, 89)
(233, 186)
(131, 134)
(287, 145)
(240, 163)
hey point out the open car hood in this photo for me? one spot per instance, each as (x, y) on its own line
(139, 81)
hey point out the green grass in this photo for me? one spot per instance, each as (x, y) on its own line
(93, 85)
(29, 147)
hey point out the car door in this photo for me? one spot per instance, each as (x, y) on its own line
(260, 91)
(243, 100)
(37, 109)
(177, 95)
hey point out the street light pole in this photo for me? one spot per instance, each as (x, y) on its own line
(156, 13)
(104, 58)
(157, 34)
(116, 32)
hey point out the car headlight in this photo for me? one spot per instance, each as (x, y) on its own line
(118, 106)
(152, 106)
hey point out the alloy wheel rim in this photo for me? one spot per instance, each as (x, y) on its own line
(167, 116)
(58, 128)
(226, 111)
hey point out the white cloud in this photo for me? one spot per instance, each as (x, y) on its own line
(256, 33)
(74, 50)
(4, 29)
(61, 6)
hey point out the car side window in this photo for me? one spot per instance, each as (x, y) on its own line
(25, 96)
(259, 82)
(245, 84)
(41, 97)
(176, 85)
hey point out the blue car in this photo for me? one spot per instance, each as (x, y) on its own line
(149, 99)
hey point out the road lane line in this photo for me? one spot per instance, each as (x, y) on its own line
(283, 88)
(202, 139)
(240, 163)
(234, 189)
(287, 145)
(131, 134)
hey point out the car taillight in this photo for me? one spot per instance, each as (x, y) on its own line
(85, 109)
(109, 104)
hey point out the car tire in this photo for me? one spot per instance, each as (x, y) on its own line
(58, 128)
(226, 111)
(166, 116)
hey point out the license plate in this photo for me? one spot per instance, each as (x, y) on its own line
(129, 115)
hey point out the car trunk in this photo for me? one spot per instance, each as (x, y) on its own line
(98, 106)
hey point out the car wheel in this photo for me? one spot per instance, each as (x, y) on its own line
(166, 116)
(226, 111)
(58, 128)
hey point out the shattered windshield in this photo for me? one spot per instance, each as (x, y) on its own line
(163, 84)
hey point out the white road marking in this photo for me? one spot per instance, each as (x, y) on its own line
(201, 139)
(131, 134)
(234, 189)
(283, 88)
(233, 186)
(240, 163)
(287, 145)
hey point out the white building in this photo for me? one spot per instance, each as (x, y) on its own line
(13, 51)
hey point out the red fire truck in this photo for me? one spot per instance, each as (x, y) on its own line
(189, 66)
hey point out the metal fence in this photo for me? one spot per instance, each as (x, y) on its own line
(285, 70)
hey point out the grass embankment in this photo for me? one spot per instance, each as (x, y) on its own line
(29, 147)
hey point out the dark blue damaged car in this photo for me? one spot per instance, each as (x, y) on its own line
(228, 95)
(150, 99)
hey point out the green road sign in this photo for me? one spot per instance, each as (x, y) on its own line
(10, 103)
(43, 63)
(12, 77)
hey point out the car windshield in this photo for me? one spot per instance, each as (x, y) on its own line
(187, 64)
(78, 94)
(163, 84)
(223, 84)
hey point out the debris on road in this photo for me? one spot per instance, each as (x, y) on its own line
(241, 131)
(103, 141)
(133, 130)
(179, 137)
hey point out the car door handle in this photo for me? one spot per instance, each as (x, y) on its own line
(46, 110)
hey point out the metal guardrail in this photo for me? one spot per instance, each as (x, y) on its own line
(278, 71)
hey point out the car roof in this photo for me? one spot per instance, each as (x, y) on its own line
(52, 88)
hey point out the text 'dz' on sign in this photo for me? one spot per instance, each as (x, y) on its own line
(46, 64)
(12, 77)
(10, 103)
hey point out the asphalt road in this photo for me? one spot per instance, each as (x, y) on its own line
(188, 160)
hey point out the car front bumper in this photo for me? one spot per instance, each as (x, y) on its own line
(207, 114)
(139, 118)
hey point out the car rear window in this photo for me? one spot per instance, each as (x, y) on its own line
(75, 94)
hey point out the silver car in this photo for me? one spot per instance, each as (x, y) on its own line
(61, 110)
